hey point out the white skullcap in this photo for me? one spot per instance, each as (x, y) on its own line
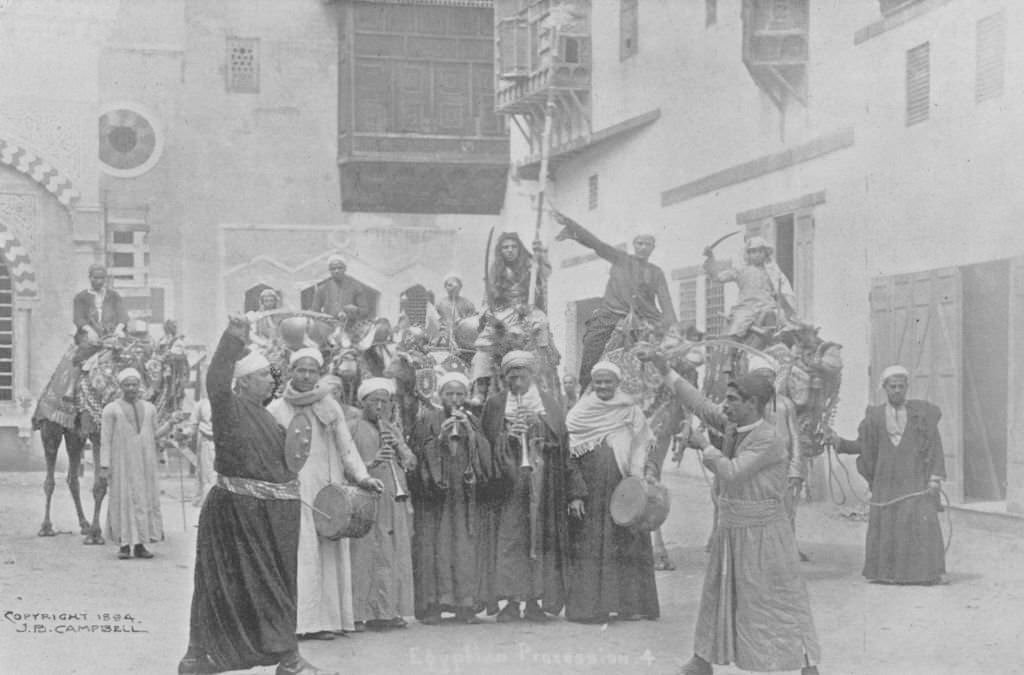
(127, 374)
(250, 363)
(894, 371)
(452, 275)
(452, 376)
(756, 363)
(758, 242)
(517, 358)
(307, 353)
(336, 259)
(375, 384)
(608, 367)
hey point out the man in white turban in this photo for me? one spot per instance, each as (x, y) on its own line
(317, 428)
(454, 463)
(763, 289)
(523, 531)
(128, 454)
(899, 453)
(611, 567)
(382, 581)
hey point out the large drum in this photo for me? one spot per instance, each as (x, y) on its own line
(344, 511)
(639, 505)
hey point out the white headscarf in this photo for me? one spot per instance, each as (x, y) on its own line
(373, 384)
(307, 353)
(894, 371)
(128, 373)
(452, 376)
(250, 363)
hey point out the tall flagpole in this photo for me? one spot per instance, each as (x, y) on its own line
(545, 148)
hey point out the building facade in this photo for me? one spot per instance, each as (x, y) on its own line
(866, 140)
(207, 150)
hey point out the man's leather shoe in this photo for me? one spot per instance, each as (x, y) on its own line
(197, 665)
(141, 552)
(293, 664)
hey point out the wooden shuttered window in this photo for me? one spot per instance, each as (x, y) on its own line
(918, 83)
(990, 54)
(629, 28)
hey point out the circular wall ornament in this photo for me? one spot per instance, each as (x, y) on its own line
(131, 141)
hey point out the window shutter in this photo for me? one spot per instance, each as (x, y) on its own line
(715, 317)
(991, 56)
(803, 267)
(628, 28)
(918, 83)
(243, 71)
(6, 335)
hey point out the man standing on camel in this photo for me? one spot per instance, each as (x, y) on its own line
(634, 285)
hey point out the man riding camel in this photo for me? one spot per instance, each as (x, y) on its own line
(634, 286)
(766, 300)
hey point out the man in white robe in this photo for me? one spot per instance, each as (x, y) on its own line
(324, 569)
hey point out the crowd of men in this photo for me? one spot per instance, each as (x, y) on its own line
(501, 509)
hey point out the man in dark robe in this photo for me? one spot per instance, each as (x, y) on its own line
(611, 568)
(244, 597)
(98, 307)
(899, 453)
(529, 538)
(634, 285)
(339, 294)
(453, 458)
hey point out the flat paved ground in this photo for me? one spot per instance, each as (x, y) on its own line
(974, 624)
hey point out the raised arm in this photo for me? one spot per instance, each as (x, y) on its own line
(222, 366)
(690, 398)
(747, 463)
(578, 233)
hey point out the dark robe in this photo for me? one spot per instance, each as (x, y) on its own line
(506, 569)
(611, 568)
(243, 603)
(904, 541)
(85, 314)
(445, 514)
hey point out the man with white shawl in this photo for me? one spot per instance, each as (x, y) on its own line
(316, 425)
(611, 568)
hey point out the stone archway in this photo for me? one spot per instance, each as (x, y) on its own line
(52, 179)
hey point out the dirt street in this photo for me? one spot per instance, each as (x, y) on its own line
(64, 604)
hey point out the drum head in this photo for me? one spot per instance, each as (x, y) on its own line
(628, 501)
(331, 509)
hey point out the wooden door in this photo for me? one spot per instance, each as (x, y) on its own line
(1015, 410)
(916, 322)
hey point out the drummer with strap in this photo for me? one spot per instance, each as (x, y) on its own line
(319, 447)
(612, 565)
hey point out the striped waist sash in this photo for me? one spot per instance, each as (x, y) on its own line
(260, 489)
(747, 513)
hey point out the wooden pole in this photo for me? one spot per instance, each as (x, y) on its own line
(545, 150)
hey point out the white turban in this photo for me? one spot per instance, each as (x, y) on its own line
(307, 353)
(452, 376)
(756, 363)
(128, 373)
(608, 367)
(375, 384)
(758, 242)
(334, 259)
(894, 371)
(250, 363)
(517, 358)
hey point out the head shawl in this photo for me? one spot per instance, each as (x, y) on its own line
(752, 384)
(376, 384)
(894, 371)
(618, 423)
(452, 376)
(517, 358)
(307, 353)
(758, 242)
(127, 374)
(606, 366)
(250, 363)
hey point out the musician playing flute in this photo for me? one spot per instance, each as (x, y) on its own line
(754, 608)
(611, 568)
(316, 424)
(382, 583)
(454, 461)
(524, 553)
